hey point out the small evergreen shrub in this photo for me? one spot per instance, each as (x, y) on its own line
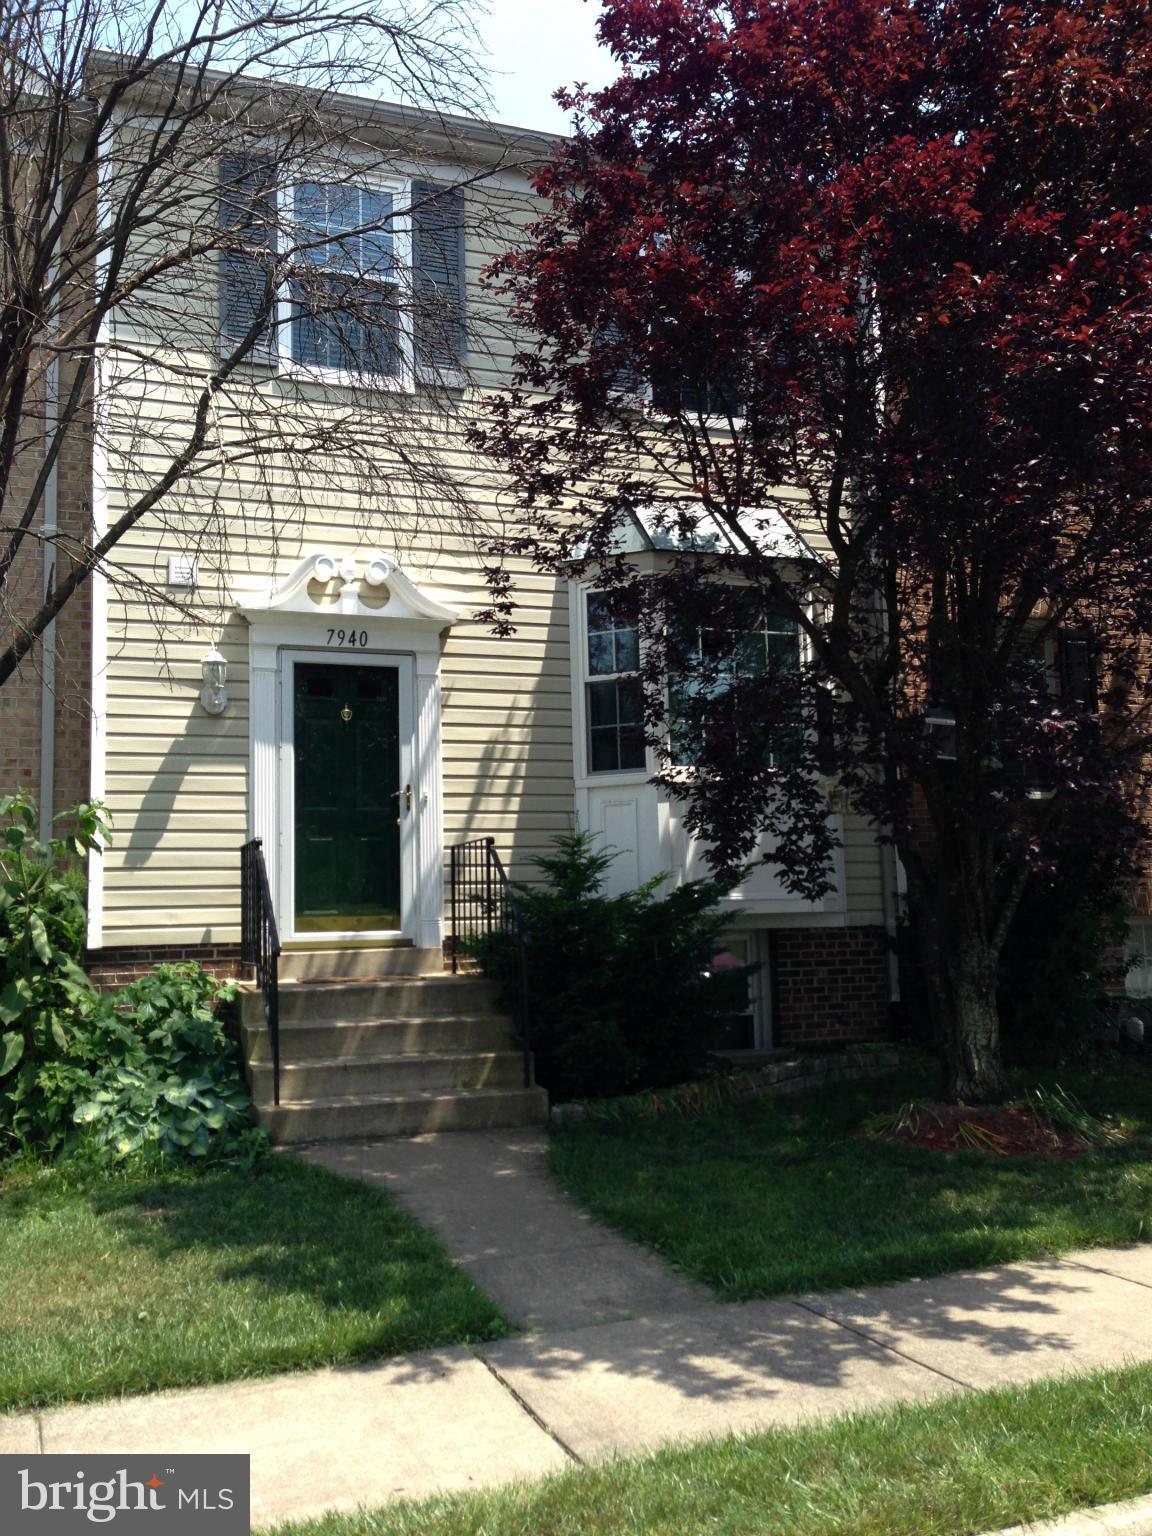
(621, 989)
(148, 1067)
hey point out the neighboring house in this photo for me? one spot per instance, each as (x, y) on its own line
(368, 723)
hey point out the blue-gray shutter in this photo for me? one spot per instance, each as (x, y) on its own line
(438, 327)
(247, 206)
(625, 378)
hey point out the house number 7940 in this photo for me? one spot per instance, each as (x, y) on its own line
(356, 637)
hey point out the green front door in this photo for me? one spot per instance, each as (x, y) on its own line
(347, 744)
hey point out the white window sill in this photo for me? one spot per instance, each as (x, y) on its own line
(614, 778)
(339, 378)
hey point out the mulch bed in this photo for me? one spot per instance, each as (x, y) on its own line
(1005, 1130)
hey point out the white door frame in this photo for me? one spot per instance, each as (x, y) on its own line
(407, 818)
(395, 623)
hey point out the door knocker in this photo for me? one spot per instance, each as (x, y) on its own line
(346, 714)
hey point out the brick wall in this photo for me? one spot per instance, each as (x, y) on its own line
(830, 986)
(111, 968)
(20, 697)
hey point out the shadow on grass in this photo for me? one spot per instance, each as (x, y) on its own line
(299, 1231)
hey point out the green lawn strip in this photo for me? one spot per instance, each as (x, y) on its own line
(968, 1462)
(119, 1283)
(786, 1195)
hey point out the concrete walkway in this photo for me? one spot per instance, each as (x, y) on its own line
(584, 1387)
(490, 1200)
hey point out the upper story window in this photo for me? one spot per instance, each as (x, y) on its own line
(346, 293)
(614, 695)
(687, 383)
(363, 282)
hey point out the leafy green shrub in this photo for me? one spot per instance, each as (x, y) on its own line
(148, 1067)
(42, 987)
(621, 991)
(168, 1077)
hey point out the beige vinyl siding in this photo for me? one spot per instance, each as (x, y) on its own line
(863, 873)
(177, 778)
(177, 785)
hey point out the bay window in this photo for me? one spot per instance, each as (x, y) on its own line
(707, 660)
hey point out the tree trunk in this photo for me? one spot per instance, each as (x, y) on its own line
(967, 1024)
(959, 969)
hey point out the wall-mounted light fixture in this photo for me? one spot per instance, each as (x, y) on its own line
(214, 695)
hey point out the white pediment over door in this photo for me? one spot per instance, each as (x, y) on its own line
(369, 585)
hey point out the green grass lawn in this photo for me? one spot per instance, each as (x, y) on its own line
(786, 1195)
(130, 1282)
(972, 1462)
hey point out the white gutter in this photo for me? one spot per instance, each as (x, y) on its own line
(98, 581)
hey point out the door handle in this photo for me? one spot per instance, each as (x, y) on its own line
(406, 792)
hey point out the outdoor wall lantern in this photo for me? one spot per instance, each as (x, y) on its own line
(941, 722)
(213, 695)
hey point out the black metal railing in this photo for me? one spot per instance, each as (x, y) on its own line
(483, 907)
(260, 944)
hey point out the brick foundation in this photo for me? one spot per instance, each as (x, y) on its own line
(830, 986)
(112, 968)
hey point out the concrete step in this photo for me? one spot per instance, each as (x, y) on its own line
(483, 1032)
(352, 1002)
(360, 1076)
(411, 1114)
(309, 961)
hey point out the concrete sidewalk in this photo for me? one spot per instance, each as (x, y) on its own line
(459, 1419)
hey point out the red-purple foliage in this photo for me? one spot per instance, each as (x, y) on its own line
(889, 263)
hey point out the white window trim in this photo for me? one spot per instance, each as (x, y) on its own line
(641, 403)
(579, 593)
(759, 987)
(585, 778)
(688, 771)
(402, 251)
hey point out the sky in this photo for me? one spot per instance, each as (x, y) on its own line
(536, 46)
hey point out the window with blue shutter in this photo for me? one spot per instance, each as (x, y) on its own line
(439, 329)
(348, 290)
(248, 222)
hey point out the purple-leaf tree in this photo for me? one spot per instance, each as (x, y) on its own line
(838, 372)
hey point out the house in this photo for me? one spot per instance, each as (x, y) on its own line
(292, 649)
